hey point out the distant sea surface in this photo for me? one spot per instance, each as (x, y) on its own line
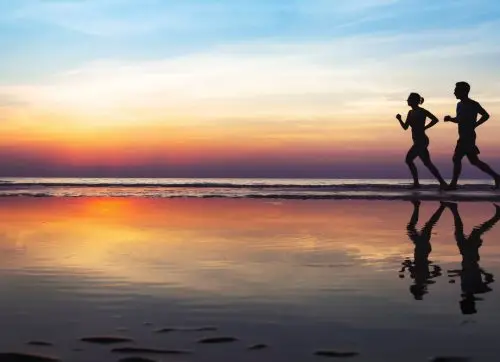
(383, 189)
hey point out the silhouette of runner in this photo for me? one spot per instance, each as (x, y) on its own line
(467, 111)
(416, 120)
(471, 274)
(420, 267)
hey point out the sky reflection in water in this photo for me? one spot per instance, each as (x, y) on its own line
(297, 275)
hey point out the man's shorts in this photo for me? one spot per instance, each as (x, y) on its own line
(466, 148)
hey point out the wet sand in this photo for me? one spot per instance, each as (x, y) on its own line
(113, 279)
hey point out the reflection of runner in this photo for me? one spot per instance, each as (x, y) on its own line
(471, 274)
(420, 267)
(467, 111)
(416, 120)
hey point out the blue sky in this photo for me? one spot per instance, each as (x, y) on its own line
(325, 76)
(38, 37)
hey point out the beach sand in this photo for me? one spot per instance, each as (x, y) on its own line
(290, 278)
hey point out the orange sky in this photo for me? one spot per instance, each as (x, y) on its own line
(64, 144)
(310, 94)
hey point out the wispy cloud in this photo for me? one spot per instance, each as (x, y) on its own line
(103, 17)
(359, 74)
(126, 17)
(9, 100)
(342, 6)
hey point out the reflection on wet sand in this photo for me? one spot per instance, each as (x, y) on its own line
(256, 241)
(296, 276)
(424, 272)
(471, 274)
(420, 268)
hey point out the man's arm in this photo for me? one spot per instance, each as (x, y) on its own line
(451, 119)
(479, 230)
(484, 115)
(488, 277)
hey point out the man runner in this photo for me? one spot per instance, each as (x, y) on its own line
(467, 111)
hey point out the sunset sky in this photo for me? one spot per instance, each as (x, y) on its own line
(237, 88)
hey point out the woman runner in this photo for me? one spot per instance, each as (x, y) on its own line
(416, 120)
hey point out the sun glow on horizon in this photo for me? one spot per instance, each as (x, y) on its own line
(322, 85)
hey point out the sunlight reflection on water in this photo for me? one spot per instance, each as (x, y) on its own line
(296, 275)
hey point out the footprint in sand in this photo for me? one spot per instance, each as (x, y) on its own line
(257, 347)
(336, 354)
(196, 329)
(106, 339)
(148, 350)
(39, 343)
(24, 357)
(136, 359)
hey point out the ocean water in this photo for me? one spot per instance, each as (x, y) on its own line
(387, 280)
(243, 188)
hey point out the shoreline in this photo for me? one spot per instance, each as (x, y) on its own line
(490, 197)
(263, 189)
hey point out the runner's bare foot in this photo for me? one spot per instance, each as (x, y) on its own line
(449, 204)
(443, 186)
(415, 202)
(497, 183)
(451, 187)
